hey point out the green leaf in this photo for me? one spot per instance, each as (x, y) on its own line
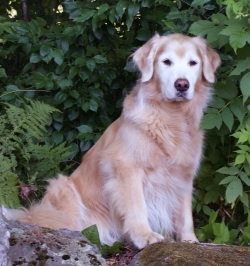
(228, 171)
(143, 35)
(245, 86)
(245, 199)
(211, 120)
(201, 27)
(85, 129)
(86, 14)
(238, 109)
(133, 9)
(199, 2)
(2, 73)
(221, 232)
(121, 7)
(58, 56)
(227, 90)
(227, 118)
(74, 94)
(57, 137)
(237, 41)
(35, 58)
(83, 75)
(233, 190)
(92, 234)
(103, 8)
(228, 179)
(211, 196)
(60, 97)
(45, 50)
(93, 105)
(217, 102)
(91, 64)
(206, 210)
(242, 65)
(244, 177)
(114, 249)
(240, 159)
(73, 71)
(85, 106)
(100, 59)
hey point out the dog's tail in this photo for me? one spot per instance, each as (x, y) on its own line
(61, 207)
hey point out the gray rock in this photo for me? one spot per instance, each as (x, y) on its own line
(35, 246)
(4, 240)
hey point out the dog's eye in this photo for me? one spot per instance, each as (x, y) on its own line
(192, 63)
(167, 62)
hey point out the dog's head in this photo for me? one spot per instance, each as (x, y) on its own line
(177, 63)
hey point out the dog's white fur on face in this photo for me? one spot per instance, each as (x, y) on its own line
(136, 182)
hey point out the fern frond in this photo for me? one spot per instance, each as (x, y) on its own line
(8, 182)
(22, 159)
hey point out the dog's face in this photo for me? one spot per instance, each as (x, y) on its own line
(176, 62)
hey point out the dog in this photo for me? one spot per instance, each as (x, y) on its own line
(136, 182)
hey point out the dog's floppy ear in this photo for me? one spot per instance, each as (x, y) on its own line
(144, 58)
(211, 59)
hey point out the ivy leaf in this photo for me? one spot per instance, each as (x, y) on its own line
(58, 56)
(244, 86)
(227, 118)
(92, 234)
(234, 189)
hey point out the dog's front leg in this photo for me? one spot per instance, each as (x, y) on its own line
(132, 206)
(184, 223)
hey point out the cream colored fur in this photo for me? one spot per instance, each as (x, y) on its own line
(137, 180)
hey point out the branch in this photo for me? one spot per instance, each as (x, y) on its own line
(24, 7)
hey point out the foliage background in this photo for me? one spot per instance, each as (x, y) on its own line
(72, 56)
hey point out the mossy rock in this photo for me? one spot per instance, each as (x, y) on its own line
(192, 254)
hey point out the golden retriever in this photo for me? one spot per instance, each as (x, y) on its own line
(137, 180)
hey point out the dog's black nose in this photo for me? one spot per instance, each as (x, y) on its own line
(181, 85)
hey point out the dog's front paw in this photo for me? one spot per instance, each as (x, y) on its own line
(189, 238)
(147, 239)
